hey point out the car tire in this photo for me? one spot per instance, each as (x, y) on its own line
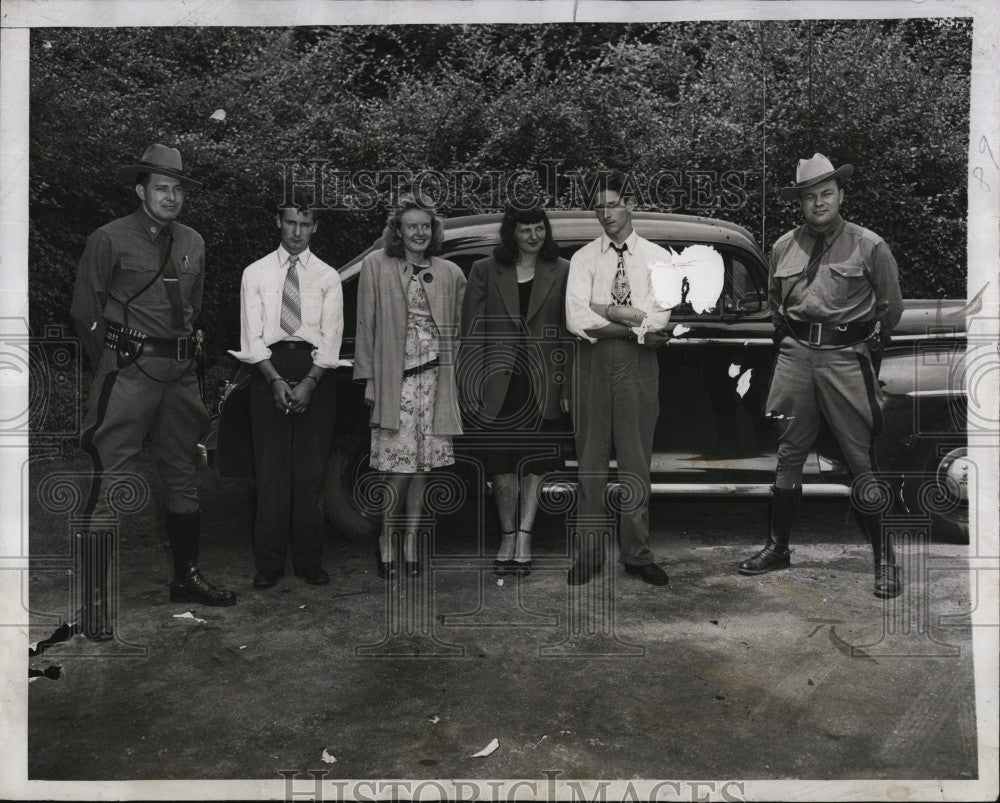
(936, 485)
(344, 487)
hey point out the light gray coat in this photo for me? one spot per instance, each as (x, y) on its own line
(381, 335)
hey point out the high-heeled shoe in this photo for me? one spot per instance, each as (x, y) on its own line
(385, 569)
(412, 568)
(502, 566)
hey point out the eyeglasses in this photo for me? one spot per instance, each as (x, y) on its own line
(619, 204)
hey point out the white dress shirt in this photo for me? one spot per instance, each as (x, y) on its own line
(320, 297)
(591, 273)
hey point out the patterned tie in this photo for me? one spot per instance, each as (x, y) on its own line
(620, 292)
(813, 266)
(291, 311)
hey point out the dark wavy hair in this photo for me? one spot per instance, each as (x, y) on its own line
(392, 239)
(506, 251)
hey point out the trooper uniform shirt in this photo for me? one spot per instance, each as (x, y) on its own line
(151, 397)
(121, 258)
(857, 278)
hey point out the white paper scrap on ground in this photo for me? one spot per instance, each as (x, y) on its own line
(435, 719)
(487, 750)
(734, 370)
(327, 758)
(188, 615)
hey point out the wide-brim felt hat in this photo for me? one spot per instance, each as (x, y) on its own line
(158, 159)
(811, 172)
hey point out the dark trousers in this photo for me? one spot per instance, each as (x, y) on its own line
(290, 456)
(616, 406)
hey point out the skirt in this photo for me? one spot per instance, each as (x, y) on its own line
(413, 447)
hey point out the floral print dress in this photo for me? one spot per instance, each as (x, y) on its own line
(413, 447)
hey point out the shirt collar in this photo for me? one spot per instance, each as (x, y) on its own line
(830, 233)
(283, 257)
(630, 241)
(151, 227)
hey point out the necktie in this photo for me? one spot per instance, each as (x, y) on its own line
(170, 278)
(291, 311)
(814, 258)
(620, 292)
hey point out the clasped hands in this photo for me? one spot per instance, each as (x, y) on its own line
(291, 398)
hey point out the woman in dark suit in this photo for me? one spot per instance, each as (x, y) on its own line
(516, 365)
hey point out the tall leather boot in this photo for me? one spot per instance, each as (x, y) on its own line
(183, 530)
(887, 582)
(775, 554)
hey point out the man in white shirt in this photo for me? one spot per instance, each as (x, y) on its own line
(609, 305)
(291, 324)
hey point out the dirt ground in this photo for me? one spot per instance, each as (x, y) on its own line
(798, 674)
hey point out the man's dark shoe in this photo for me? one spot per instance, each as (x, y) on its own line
(771, 557)
(887, 582)
(266, 578)
(314, 575)
(188, 585)
(582, 571)
(195, 588)
(648, 573)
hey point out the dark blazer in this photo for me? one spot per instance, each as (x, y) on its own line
(492, 327)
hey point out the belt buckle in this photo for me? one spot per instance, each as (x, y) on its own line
(815, 334)
(185, 352)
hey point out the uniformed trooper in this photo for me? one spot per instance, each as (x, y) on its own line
(834, 295)
(138, 292)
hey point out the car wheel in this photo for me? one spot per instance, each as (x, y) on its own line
(347, 488)
(937, 485)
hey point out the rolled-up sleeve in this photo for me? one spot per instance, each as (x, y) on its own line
(579, 291)
(331, 324)
(253, 349)
(90, 293)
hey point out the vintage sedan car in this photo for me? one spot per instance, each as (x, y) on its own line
(712, 437)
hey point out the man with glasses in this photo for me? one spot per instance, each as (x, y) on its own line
(609, 305)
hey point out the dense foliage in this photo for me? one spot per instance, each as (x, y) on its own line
(745, 99)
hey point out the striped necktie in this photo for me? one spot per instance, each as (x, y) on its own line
(291, 309)
(621, 294)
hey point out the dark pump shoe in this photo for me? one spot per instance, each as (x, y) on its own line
(266, 578)
(887, 582)
(771, 557)
(385, 569)
(582, 571)
(314, 575)
(648, 573)
(411, 568)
